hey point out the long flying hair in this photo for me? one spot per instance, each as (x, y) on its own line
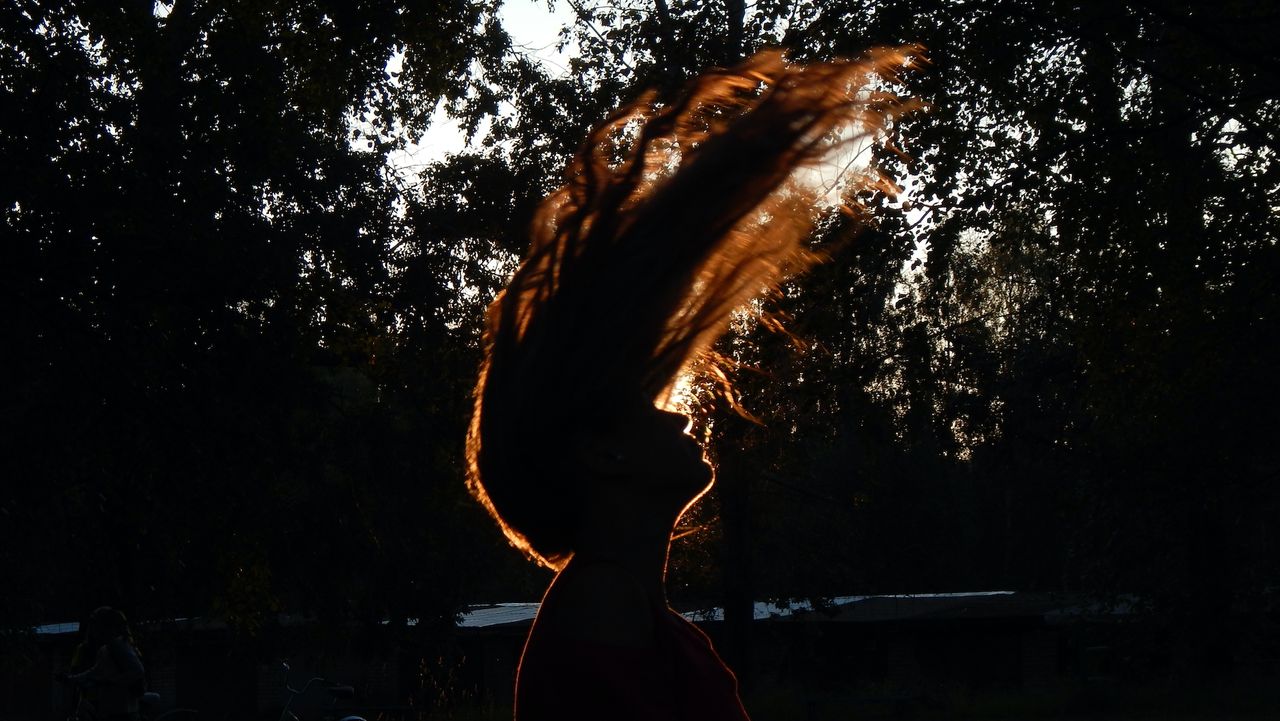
(671, 218)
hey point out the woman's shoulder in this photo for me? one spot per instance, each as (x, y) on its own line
(598, 603)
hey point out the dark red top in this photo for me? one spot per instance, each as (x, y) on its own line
(679, 678)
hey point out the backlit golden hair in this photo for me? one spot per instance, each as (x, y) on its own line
(671, 217)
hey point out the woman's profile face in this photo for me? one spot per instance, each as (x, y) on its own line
(653, 449)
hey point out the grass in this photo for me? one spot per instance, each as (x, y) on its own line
(1240, 700)
(1256, 699)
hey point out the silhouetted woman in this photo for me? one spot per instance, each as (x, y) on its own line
(671, 218)
(115, 680)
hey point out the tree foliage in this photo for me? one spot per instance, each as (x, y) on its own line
(1048, 369)
(241, 347)
(237, 378)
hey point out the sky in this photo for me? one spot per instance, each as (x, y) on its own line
(534, 29)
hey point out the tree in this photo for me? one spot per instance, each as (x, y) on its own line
(232, 391)
(1050, 369)
(1045, 371)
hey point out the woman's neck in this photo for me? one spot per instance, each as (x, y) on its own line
(631, 539)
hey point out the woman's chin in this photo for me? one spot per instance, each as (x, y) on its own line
(697, 483)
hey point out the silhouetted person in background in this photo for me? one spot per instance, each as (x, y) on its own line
(114, 683)
(672, 218)
(82, 659)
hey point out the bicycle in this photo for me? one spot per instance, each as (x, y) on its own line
(335, 691)
(151, 702)
(148, 704)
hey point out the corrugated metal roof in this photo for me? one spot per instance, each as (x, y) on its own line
(53, 629)
(499, 614)
(840, 608)
(764, 610)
